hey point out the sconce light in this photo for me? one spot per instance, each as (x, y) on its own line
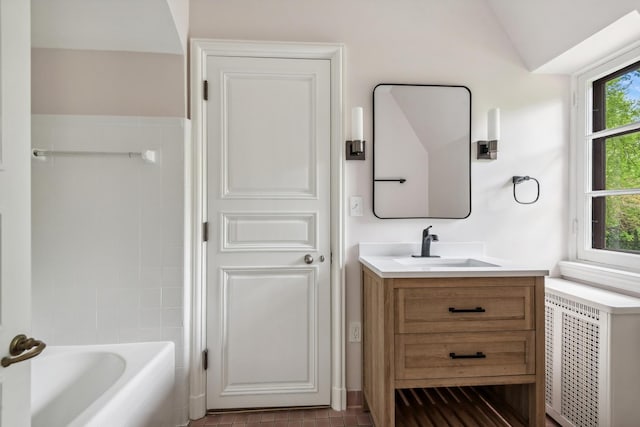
(489, 149)
(355, 147)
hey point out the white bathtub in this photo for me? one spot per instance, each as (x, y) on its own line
(123, 385)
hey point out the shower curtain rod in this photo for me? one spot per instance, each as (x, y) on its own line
(148, 156)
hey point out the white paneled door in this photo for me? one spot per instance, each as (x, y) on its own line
(15, 215)
(268, 268)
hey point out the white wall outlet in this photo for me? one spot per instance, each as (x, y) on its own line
(355, 332)
(355, 205)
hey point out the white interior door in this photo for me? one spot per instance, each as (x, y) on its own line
(268, 202)
(15, 216)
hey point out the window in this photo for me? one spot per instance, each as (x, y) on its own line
(608, 163)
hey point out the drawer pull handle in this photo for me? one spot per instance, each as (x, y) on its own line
(478, 355)
(466, 310)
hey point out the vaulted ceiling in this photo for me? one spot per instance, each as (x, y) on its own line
(127, 25)
(554, 36)
(562, 36)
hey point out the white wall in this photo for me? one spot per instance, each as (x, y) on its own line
(543, 29)
(438, 42)
(108, 236)
(72, 81)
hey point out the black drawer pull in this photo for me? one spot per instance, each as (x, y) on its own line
(466, 310)
(478, 355)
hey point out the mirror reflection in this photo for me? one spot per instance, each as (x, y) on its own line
(421, 151)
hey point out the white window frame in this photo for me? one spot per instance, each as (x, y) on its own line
(581, 164)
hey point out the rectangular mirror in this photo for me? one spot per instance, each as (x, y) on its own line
(421, 151)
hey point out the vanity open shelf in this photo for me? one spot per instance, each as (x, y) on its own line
(453, 406)
(454, 342)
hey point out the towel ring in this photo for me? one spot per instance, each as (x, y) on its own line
(519, 180)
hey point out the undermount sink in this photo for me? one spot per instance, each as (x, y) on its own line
(443, 262)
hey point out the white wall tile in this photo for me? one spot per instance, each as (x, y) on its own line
(151, 318)
(128, 335)
(150, 297)
(106, 336)
(107, 298)
(172, 297)
(172, 255)
(172, 317)
(108, 318)
(150, 334)
(128, 317)
(172, 276)
(173, 334)
(108, 234)
(128, 297)
(77, 335)
(151, 277)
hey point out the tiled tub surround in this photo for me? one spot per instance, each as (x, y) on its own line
(107, 235)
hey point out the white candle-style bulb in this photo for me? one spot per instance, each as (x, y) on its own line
(357, 130)
(494, 124)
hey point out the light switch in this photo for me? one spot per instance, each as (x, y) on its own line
(355, 205)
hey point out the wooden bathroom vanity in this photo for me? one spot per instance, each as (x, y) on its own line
(458, 347)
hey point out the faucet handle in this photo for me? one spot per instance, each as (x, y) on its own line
(434, 237)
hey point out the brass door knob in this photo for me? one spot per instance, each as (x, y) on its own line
(22, 348)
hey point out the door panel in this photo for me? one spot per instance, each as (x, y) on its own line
(268, 145)
(15, 215)
(266, 231)
(261, 135)
(282, 331)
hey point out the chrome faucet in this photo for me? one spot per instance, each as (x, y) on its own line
(426, 244)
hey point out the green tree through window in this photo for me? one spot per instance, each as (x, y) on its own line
(616, 162)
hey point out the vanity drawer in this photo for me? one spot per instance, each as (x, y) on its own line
(460, 309)
(464, 355)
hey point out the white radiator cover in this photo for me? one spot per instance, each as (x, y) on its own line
(592, 356)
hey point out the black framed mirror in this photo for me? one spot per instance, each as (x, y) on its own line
(421, 151)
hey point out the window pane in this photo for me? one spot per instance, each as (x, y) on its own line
(623, 99)
(616, 99)
(616, 223)
(616, 162)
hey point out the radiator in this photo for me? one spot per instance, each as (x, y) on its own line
(592, 339)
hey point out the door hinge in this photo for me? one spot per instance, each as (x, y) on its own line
(205, 90)
(205, 359)
(205, 231)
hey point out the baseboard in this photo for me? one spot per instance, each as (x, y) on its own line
(338, 399)
(197, 406)
(354, 398)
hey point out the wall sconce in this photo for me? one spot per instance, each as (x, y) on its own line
(489, 149)
(355, 147)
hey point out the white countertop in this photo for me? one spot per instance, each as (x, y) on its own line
(390, 261)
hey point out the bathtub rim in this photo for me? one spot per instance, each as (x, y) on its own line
(141, 360)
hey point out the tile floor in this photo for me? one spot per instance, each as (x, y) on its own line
(289, 418)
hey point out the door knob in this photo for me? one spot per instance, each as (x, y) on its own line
(308, 259)
(22, 348)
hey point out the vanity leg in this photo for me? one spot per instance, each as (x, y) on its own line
(536, 405)
(537, 390)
